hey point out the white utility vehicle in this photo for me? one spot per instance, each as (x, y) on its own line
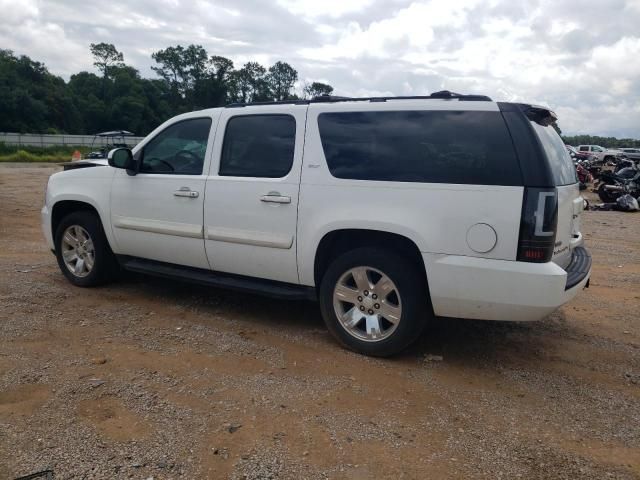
(386, 210)
(601, 153)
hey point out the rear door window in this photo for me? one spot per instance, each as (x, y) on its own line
(420, 146)
(562, 168)
(258, 146)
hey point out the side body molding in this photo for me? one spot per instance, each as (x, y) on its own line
(250, 237)
(158, 226)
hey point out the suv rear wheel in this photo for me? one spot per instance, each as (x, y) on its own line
(82, 250)
(374, 301)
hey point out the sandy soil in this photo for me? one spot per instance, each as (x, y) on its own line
(152, 378)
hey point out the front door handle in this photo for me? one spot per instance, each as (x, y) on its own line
(186, 192)
(275, 197)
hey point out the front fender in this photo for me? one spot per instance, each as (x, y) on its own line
(88, 185)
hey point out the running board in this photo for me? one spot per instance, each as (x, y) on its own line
(268, 288)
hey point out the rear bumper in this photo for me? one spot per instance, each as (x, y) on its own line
(487, 289)
(579, 268)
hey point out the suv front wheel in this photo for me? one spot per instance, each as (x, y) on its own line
(82, 250)
(374, 301)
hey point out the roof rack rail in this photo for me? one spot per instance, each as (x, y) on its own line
(276, 102)
(441, 95)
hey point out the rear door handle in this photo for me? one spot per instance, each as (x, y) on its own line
(275, 197)
(186, 192)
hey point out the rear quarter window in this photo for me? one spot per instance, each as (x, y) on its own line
(562, 168)
(420, 146)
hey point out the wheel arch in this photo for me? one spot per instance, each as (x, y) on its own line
(64, 207)
(337, 242)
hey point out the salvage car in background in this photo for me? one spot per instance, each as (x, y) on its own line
(601, 153)
(631, 153)
(578, 155)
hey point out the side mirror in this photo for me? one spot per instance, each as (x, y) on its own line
(121, 158)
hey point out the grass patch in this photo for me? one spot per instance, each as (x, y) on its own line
(24, 156)
(55, 154)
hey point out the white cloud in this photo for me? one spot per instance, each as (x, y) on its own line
(18, 12)
(332, 8)
(24, 29)
(580, 57)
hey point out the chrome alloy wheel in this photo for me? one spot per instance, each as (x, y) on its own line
(367, 304)
(78, 251)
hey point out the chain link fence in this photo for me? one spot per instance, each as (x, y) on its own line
(45, 140)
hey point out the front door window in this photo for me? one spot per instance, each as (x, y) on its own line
(178, 149)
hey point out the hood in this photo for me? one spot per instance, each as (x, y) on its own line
(97, 162)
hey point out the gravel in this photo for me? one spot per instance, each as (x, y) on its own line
(149, 378)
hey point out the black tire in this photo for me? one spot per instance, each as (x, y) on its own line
(412, 290)
(105, 266)
(606, 196)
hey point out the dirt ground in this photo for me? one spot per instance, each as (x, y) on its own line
(150, 378)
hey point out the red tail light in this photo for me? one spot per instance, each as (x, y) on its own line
(538, 225)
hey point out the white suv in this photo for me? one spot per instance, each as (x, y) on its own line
(386, 210)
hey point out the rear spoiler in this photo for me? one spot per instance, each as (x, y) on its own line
(540, 115)
(536, 113)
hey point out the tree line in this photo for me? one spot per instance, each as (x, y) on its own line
(607, 142)
(32, 100)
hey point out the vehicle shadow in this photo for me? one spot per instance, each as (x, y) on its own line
(490, 342)
(457, 340)
(230, 304)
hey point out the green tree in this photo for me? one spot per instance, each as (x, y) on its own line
(195, 61)
(171, 62)
(195, 84)
(249, 84)
(316, 89)
(280, 80)
(214, 89)
(32, 99)
(88, 89)
(186, 70)
(173, 71)
(105, 56)
(221, 68)
(607, 142)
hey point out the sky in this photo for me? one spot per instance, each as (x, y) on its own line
(579, 57)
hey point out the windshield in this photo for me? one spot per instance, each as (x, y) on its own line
(562, 169)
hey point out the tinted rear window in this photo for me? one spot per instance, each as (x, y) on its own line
(420, 146)
(258, 146)
(562, 168)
